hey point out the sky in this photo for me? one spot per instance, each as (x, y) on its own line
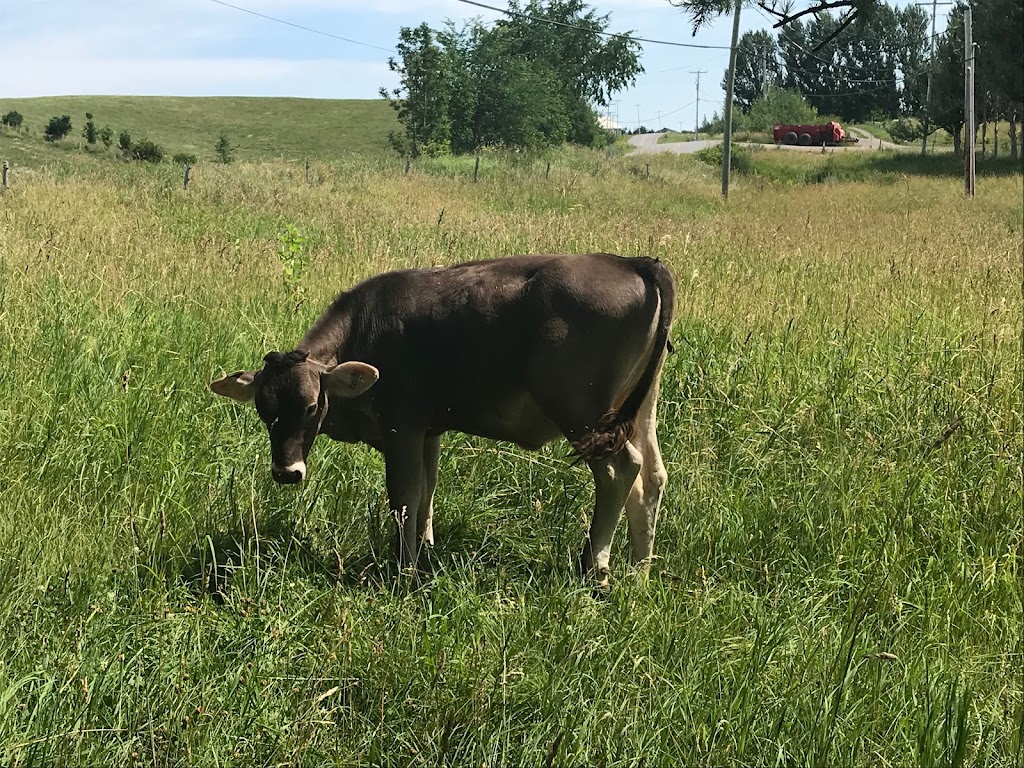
(203, 48)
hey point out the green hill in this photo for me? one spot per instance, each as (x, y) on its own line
(259, 127)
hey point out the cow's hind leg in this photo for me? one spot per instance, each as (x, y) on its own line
(613, 477)
(645, 496)
(425, 519)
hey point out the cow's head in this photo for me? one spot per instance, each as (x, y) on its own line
(291, 395)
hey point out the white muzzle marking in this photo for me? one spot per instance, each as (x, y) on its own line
(298, 466)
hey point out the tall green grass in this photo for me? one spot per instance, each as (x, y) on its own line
(838, 580)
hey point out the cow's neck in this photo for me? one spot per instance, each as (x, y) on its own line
(325, 342)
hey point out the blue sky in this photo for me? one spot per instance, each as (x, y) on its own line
(201, 48)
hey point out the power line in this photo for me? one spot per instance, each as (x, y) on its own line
(306, 29)
(521, 15)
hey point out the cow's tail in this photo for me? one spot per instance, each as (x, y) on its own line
(616, 427)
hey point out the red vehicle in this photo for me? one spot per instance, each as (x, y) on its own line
(811, 135)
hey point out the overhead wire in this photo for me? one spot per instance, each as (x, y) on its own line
(304, 28)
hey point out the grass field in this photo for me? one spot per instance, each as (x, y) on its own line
(839, 572)
(260, 128)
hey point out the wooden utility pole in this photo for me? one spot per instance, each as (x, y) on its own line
(696, 122)
(727, 140)
(969, 127)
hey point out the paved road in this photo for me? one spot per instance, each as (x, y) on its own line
(647, 143)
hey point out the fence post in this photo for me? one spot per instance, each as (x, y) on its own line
(547, 171)
(188, 176)
(307, 170)
(6, 174)
(648, 170)
(476, 170)
(408, 163)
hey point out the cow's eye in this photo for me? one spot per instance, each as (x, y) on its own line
(311, 410)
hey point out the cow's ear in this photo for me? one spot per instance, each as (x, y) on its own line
(237, 386)
(350, 379)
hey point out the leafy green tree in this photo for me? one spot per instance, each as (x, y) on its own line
(57, 128)
(124, 143)
(757, 68)
(780, 106)
(522, 83)
(12, 119)
(106, 135)
(223, 149)
(89, 133)
(422, 99)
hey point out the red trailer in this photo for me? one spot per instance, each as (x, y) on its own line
(811, 135)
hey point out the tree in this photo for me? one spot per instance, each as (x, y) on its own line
(89, 133)
(525, 82)
(422, 99)
(778, 107)
(702, 13)
(225, 152)
(124, 143)
(12, 119)
(57, 128)
(757, 68)
(106, 135)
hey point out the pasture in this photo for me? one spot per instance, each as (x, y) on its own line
(838, 578)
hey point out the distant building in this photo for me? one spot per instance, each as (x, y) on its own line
(608, 124)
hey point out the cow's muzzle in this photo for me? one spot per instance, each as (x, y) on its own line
(293, 473)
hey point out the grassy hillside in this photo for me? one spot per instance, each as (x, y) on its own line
(261, 128)
(838, 580)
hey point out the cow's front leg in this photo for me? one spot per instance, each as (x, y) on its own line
(403, 462)
(425, 521)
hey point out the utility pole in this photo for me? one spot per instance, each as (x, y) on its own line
(696, 122)
(931, 67)
(968, 105)
(638, 117)
(728, 101)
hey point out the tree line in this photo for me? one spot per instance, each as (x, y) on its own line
(876, 68)
(527, 81)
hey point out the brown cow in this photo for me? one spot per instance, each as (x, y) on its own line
(523, 349)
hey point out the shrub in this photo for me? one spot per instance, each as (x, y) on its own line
(57, 128)
(780, 107)
(106, 135)
(904, 130)
(89, 133)
(147, 151)
(124, 143)
(184, 158)
(12, 119)
(740, 159)
(224, 150)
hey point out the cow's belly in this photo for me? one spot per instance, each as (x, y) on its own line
(518, 420)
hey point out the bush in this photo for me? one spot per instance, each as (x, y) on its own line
(89, 133)
(106, 135)
(147, 151)
(780, 107)
(124, 143)
(57, 128)
(12, 119)
(740, 159)
(905, 130)
(224, 150)
(184, 158)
